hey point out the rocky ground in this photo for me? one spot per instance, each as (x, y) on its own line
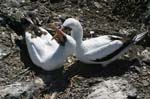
(126, 78)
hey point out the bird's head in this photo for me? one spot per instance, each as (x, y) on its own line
(70, 24)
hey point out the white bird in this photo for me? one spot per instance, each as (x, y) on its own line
(100, 50)
(47, 53)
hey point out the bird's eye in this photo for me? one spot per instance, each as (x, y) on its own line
(66, 30)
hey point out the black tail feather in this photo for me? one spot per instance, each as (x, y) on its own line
(139, 37)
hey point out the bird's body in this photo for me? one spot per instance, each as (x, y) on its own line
(94, 53)
(100, 50)
(47, 53)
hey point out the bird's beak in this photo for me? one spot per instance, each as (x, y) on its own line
(59, 36)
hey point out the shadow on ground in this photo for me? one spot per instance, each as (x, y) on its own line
(116, 68)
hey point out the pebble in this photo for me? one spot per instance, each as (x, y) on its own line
(2, 79)
(136, 69)
(97, 5)
(39, 81)
(4, 51)
(67, 9)
(97, 11)
(123, 32)
(146, 55)
(92, 32)
(15, 3)
(145, 83)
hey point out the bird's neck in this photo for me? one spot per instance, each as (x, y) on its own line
(77, 34)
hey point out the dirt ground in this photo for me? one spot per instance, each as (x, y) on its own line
(75, 79)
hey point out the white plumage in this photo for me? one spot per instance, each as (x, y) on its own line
(47, 53)
(99, 50)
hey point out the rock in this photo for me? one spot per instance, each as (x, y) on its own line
(15, 3)
(113, 89)
(67, 9)
(105, 0)
(16, 89)
(132, 94)
(92, 32)
(145, 83)
(135, 69)
(38, 81)
(97, 11)
(2, 79)
(146, 56)
(97, 5)
(4, 51)
(123, 32)
(21, 89)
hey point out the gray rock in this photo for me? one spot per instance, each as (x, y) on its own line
(15, 3)
(113, 89)
(1, 79)
(15, 90)
(4, 51)
(146, 55)
(21, 89)
(97, 5)
(145, 83)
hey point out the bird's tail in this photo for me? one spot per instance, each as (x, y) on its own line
(139, 37)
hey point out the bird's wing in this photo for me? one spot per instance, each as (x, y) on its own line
(107, 47)
(97, 42)
(46, 32)
(41, 46)
(48, 37)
